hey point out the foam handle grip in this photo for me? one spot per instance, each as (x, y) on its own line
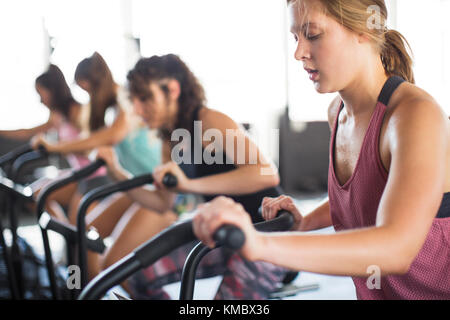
(42, 149)
(170, 181)
(230, 237)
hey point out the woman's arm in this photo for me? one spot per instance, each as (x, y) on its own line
(254, 173)
(147, 196)
(26, 134)
(408, 206)
(319, 218)
(105, 136)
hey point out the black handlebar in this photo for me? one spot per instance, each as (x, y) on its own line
(14, 154)
(26, 158)
(169, 181)
(18, 190)
(59, 183)
(283, 222)
(159, 246)
(94, 241)
(45, 193)
(229, 236)
(232, 237)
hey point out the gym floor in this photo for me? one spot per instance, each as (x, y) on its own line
(329, 287)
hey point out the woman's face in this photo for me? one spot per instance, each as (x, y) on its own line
(155, 109)
(45, 95)
(328, 50)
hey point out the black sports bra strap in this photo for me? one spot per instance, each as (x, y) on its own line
(196, 114)
(389, 87)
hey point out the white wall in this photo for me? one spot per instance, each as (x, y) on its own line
(22, 58)
(426, 26)
(235, 47)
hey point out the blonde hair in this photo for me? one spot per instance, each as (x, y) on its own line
(355, 15)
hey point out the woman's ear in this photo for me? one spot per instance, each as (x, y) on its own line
(363, 38)
(174, 89)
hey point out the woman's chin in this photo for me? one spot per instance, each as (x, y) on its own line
(155, 125)
(322, 88)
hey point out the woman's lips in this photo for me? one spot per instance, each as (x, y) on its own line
(313, 74)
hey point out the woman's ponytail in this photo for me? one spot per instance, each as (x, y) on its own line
(395, 56)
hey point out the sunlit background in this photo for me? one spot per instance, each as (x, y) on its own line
(240, 50)
(243, 54)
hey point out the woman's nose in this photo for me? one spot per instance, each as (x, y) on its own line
(302, 51)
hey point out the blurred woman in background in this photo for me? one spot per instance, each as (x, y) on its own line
(66, 119)
(112, 122)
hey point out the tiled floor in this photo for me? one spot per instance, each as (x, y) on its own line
(330, 288)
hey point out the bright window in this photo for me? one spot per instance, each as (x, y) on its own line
(235, 47)
(22, 59)
(427, 29)
(80, 27)
(76, 28)
(241, 51)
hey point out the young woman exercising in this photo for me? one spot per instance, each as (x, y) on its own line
(389, 174)
(66, 118)
(112, 122)
(169, 98)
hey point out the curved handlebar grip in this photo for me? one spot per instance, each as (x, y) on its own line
(170, 181)
(75, 176)
(14, 154)
(230, 237)
(88, 170)
(42, 149)
(283, 222)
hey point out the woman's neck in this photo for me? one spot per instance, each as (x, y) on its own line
(172, 115)
(361, 95)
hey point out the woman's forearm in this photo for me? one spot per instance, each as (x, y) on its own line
(157, 200)
(243, 180)
(25, 134)
(343, 254)
(318, 219)
(152, 199)
(102, 137)
(106, 136)
(21, 134)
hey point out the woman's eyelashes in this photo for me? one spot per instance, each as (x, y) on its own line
(313, 37)
(309, 37)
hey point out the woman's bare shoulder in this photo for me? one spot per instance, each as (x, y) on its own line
(214, 119)
(410, 101)
(413, 112)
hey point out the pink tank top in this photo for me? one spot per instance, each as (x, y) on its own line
(67, 132)
(355, 204)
